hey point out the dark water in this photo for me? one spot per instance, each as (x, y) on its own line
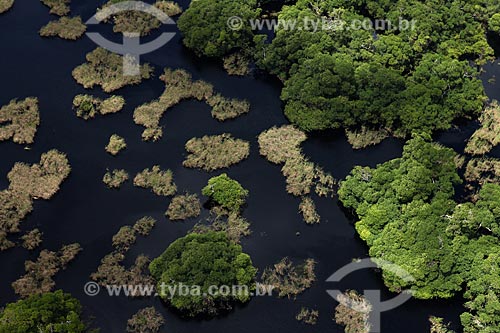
(85, 211)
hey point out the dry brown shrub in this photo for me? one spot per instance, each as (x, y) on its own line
(353, 312)
(288, 279)
(146, 320)
(5, 5)
(308, 316)
(88, 106)
(144, 225)
(488, 136)
(32, 239)
(183, 207)
(58, 7)
(19, 120)
(308, 210)
(237, 63)
(116, 144)
(365, 137)
(115, 178)
(215, 152)
(70, 28)
(159, 181)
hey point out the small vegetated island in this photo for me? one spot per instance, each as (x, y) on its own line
(5, 5)
(203, 260)
(19, 120)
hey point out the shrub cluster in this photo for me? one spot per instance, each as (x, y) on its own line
(58, 7)
(159, 181)
(40, 273)
(146, 320)
(353, 312)
(115, 178)
(116, 144)
(19, 120)
(32, 239)
(179, 86)
(183, 207)
(308, 316)
(88, 106)
(5, 5)
(365, 137)
(70, 28)
(215, 152)
(488, 136)
(105, 69)
(237, 63)
(289, 279)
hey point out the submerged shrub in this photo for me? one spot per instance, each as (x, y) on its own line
(215, 152)
(353, 312)
(32, 239)
(88, 106)
(19, 120)
(279, 144)
(57, 7)
(39, 274)
(365, 137)
(105, 69)
(232, 223)
(5, 5)
(116, 144)
(237, 63)
(160, 182)
(308, 316)
(290, 280)
(144, 225)
(115, 178)
(488, 136)
(179, 86)
(183, 207)
(146, 320)
(308, 210)
(65, 28)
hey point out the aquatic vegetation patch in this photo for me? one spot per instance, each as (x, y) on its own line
(105, 69)
(32, 239)
(146, 320)
(215, 152)
(308, 316)
(365, 137)
(482, 170)
(58, 7)
(488, 135)
(237, 63)
(115, 178)
(438, 325)
(88, 106)
(281, 145)
(231, 223)
(19, 120)
(226, 192)
(183, 207)
(116, 144)
(353, 312)
(289, 279)
(40, 273)
(5, 5)
(132, 22)
(38, 181)
(179, 86)
(161, 182)
(70, 28)
(111, 270)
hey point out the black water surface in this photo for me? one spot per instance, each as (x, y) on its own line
(85, 211)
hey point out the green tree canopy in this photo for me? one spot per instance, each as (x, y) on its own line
(49, 312)
(204, 260)
(226, 192)
(204, 26)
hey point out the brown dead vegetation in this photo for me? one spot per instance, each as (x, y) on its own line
(19, 121)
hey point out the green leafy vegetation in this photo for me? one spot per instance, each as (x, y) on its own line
(179, 86)
(105, 69)
(159, 181)
(289, 279)
(308, 316)
(225, 192)
(215, 152)
(400, 79)
(115, 178)
(39, 274)
(204, 260)
(116, 144)
(408, 216)
(28, 183)
(204, 26)
(353, 312)
(88, 106)
(70, 28)
(488, 136)
(48, 312)
(58, 7)
(183, 207)
(5, 5)
(19, 120)
(146, 320)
